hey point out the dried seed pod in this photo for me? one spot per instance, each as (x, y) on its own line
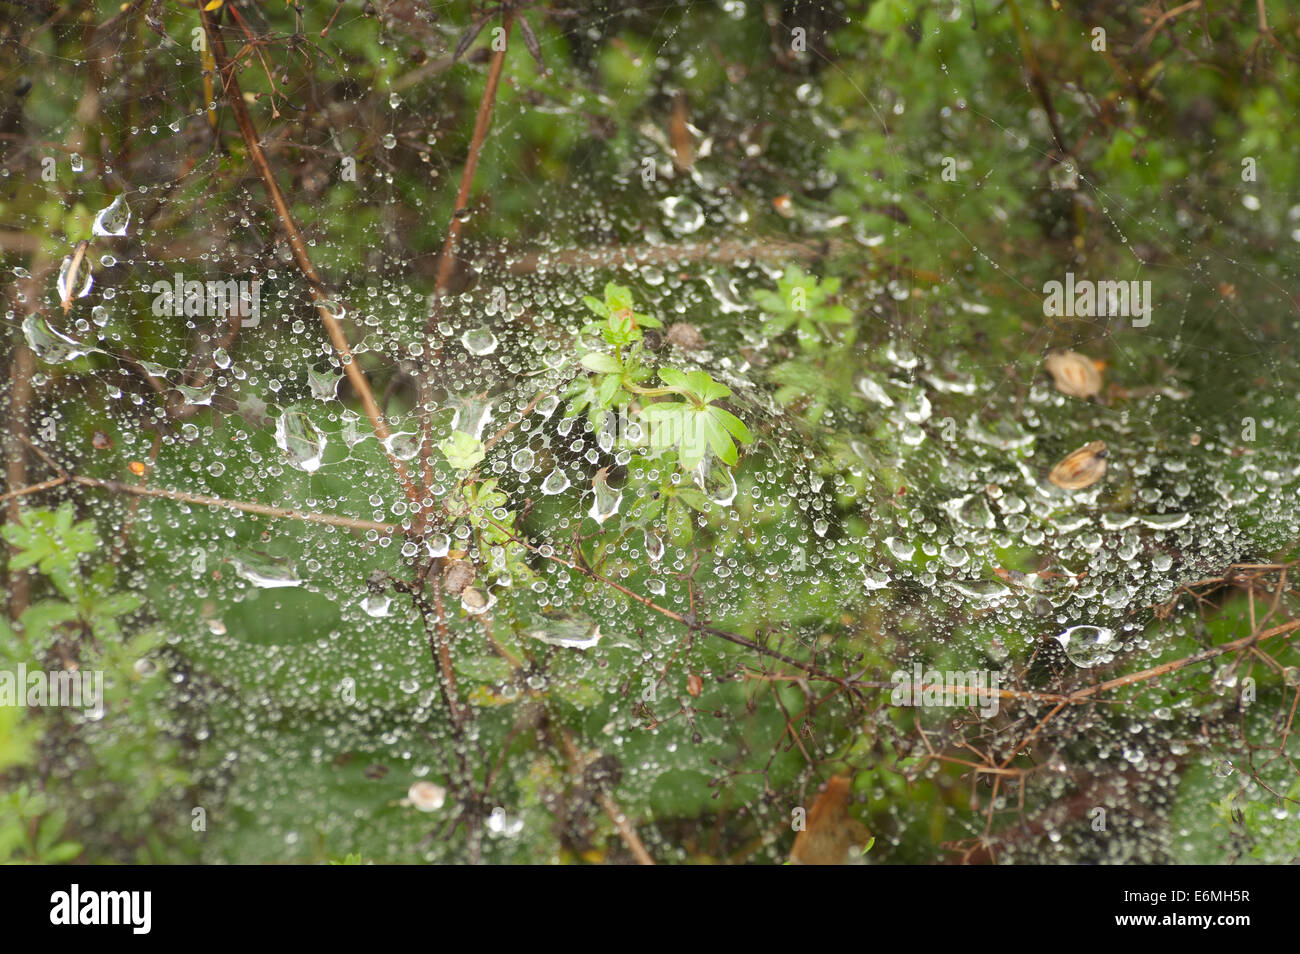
(1081, 469)
(426, 796)
(1073, 374)
(458, 575)
(830, 832)
(686, 336)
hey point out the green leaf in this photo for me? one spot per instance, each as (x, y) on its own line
(733, 424)
(601, 363)
(463, 451)
(718, 439)
(618, 297)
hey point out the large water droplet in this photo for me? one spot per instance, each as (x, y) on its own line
(302, 443)
(479, 340)
(682, 215)
(555, 483)
(1088, 646)
(571, 632)
(48, 344)
(113, 219)
(66, 278)
(265, 573)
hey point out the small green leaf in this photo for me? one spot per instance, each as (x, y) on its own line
(463, 451)
(601, 363)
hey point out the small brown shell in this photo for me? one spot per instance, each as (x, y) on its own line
(458, 575)
(1073, 374)
(1081, 469)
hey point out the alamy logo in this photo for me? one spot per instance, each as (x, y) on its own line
(81, 689)
(103, 907)
(1088, 299)
(209, 299)
(974, 687)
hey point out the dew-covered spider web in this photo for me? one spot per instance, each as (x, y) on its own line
(528, 618)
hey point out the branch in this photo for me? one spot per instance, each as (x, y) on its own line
(235, 98)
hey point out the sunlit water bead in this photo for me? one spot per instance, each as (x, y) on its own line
(570, 632)
(377, 605)
(556, 482)
(502, 825)
(479, 341)
(49, 345)
(303, 445)
(426, 796)
(438, 545)
(522, 460)
(264, 573)
(716, 480)
(682, 214)
(64, 283)
(113, 219)
(1088, 646)
(605, 501)
(403, 445)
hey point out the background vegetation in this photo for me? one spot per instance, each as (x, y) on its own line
(387, 536)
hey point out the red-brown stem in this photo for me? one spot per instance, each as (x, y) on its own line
(235, 98)
(482, 123)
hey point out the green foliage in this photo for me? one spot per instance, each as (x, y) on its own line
(463, 451)
(694, 425)
(831, 541)
(805, 303)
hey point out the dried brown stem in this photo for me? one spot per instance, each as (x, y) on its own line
(482, 123)
(626, 830)
(235, 98)
(201, 500)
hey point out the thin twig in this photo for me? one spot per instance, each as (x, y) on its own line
(235, 98)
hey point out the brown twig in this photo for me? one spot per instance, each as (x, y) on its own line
(351, 523)
(482, 123)
(235, 99)
(626, 830)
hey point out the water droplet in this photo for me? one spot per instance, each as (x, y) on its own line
(302, 443)
(49, 345)
(522, 461)
(683, 215)
(265, 573)
(714, 478)
(1087, 646)
(555, 483)
(571, 632)
(479, 340)
(66, 278)
(376, 605)
(427, 797)
(500, 824)
(113, 219)
(438, 544)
